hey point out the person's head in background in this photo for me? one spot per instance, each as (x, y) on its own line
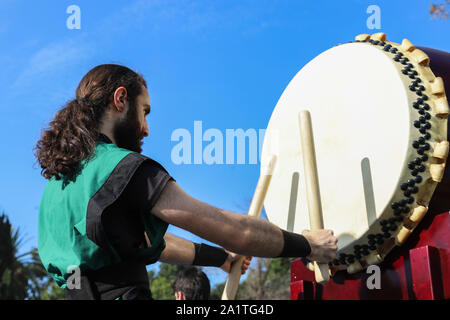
(191, 284)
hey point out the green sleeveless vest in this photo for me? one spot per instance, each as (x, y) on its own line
(70, 227)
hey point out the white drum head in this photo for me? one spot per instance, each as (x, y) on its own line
(362, 120)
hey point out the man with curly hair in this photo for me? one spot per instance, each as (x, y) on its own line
(106, 207)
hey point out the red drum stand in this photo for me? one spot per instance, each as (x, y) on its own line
(418, 270)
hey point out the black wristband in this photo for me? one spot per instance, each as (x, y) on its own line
(209, 256)
(295, 245)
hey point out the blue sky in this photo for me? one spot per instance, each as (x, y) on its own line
(222, 62)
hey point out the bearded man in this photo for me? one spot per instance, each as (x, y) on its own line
(106, 207)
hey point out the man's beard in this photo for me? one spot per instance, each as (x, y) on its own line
(127, 133)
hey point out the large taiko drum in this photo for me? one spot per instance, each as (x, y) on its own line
(379, 117)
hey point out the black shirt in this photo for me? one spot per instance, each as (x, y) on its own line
(122, 220)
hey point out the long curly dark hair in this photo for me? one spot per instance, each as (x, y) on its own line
(72, 134)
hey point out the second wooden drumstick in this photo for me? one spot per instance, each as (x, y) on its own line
(231, 286)
(321, 270)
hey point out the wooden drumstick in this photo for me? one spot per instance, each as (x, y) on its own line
(321, 270)
(231, 286)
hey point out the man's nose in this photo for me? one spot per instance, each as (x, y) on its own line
(145, 131)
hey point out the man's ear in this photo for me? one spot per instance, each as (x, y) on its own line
(120, 99)
(179, 295)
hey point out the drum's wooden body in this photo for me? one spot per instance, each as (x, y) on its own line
(417, 268)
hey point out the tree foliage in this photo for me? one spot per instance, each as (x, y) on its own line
(22, 276)
(161, 284)
(268, 280)
(439, 10)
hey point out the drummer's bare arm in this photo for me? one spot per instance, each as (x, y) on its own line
(181, 251)
(236, 232)
(177, 251)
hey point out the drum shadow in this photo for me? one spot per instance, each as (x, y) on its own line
(292, 202)
(369, 195)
